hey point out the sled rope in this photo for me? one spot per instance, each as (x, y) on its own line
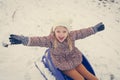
(40, 71)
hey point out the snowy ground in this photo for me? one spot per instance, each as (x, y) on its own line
(36, 17)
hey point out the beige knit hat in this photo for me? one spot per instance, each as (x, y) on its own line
(66, 22)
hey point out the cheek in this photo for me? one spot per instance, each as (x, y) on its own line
(66, 35)
(56, 35)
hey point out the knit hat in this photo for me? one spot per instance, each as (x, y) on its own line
(66, 22)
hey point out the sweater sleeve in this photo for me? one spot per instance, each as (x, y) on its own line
(82, 33)
(44, 41)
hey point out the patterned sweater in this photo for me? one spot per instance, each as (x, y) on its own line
(62, 57)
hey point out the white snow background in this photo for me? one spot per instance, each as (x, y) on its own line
(35, 18)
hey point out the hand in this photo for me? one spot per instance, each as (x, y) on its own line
(99, 27)
(16, 39)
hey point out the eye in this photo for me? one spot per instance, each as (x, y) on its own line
(58, 31)
(64, 31)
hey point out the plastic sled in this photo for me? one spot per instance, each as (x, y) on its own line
(46, 59)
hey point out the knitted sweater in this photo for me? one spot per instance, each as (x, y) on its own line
(62, 57)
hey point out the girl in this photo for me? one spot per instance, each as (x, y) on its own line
(64, 54)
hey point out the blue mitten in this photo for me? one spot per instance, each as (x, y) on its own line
(99, 27)
(16, 39)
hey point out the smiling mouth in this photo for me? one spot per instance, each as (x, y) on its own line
(61, 38)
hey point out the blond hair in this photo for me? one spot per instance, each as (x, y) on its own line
(69, 41)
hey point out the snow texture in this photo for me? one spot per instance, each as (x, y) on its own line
(36, 18)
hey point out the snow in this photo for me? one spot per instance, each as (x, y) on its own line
(36, 17)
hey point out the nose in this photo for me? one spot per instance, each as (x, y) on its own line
(61, 34)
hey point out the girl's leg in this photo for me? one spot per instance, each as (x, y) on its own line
(85, 73)
(74, 74)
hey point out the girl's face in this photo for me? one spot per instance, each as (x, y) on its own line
(61, 33)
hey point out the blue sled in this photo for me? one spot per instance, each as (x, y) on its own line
(46, 59)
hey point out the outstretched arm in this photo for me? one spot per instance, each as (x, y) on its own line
(44, 41)
(83, 33)
(30, 41)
